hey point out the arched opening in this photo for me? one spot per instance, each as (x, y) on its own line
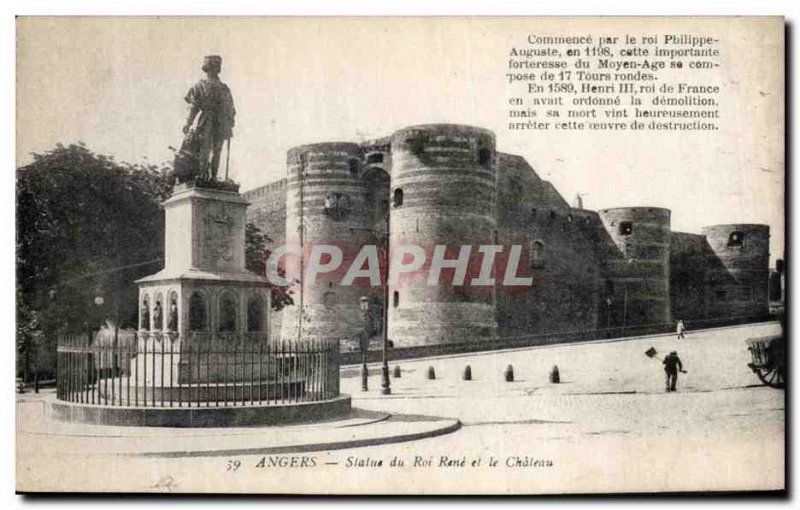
(255, 314)
(736, 240)
(172, 312)
(227, 312)
(396, 299)
(485, 157)
(198, 312)
(377, 183)
(398, 197)
(158, 313)
(352, 165)
(144, 313)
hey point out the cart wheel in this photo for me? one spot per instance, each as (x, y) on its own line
(774, 377)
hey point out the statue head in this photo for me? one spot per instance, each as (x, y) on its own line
(212, 64)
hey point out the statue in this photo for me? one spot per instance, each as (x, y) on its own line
(158, 317)
(145, 315)
(173, 316)
(199, 154)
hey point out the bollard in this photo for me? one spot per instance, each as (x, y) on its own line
(431, 373)
(468, 373)
(554, 377)
(509, 373)
(396, 372)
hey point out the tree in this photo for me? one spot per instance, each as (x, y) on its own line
(256, 255)
(87, 227)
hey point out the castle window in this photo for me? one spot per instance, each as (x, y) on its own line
(533, 213)
(352, 164)
(537, 255)
(485, 158)
(396, 299)
(721, 295)
(735, 240)
(375, 158)
(553, 215)
(625, 228)
(398, 197)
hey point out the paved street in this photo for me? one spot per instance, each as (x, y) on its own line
(608, 426)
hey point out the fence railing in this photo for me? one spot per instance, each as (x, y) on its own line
(155, 369)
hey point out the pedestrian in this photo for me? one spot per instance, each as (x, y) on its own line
(672, 365)
(681, 329)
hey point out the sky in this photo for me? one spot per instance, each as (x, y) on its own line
(118, 86)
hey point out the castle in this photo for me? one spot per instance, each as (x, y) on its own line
(447, 184)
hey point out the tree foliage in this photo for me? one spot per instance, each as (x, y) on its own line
(256, 256)
(87, 227)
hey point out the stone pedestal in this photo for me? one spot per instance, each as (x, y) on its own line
(204, 297)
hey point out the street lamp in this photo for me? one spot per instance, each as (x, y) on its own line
(383, 239)
(364, 343)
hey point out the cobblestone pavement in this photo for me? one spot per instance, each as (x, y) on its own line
(609, 426)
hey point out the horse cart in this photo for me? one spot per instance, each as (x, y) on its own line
(769, 359)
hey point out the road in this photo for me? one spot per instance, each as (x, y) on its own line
(609, 426)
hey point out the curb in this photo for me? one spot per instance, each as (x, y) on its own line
(341, 445)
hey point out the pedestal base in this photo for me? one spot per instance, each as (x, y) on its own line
(200, 416)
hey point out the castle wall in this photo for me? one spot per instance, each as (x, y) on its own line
(737, 280)
(267, 211)
(446, 175)
(638, 276)
(588, 271)
(558, 253)
(326, 197)
(688, 263)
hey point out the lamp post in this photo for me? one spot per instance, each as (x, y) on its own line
(364, 343)
(386, 388)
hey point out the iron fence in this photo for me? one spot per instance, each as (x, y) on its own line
(166, 370)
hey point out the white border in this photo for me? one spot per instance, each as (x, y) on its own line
(788, 8)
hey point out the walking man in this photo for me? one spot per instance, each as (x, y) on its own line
(681, 329)
(212, 99)
(672, 364)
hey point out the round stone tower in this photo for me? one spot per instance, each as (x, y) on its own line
(325, 205)
(443, 192)
(738, 270)
(637, 278)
